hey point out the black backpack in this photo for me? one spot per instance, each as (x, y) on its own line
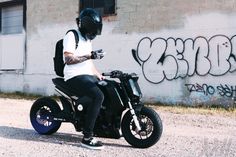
(58, 59)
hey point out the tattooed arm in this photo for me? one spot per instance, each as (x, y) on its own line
(72, 59)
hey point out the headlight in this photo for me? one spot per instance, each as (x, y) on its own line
(135, 88)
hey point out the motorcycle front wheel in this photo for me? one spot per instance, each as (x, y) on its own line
(151, 128)
(42, 116)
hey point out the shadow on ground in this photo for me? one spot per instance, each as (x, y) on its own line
(56, 138)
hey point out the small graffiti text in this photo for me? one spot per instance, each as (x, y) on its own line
(223, 90)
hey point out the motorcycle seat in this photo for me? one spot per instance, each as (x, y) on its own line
(62, 86)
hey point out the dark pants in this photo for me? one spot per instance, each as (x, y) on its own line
(86, 85)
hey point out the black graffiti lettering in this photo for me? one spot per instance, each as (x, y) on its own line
(220, 49)
(233, 88)
(190, 87)
(232, 58)
(156, 61)
(226, 90)
(171, 58)
(221, 91)
(175, 49)
(205, 89)
(210, 90)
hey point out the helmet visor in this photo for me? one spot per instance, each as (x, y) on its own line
(99, 29)
(94, 29)
(91, 26)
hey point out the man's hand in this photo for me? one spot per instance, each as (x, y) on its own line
(98, 54)
(101, 77)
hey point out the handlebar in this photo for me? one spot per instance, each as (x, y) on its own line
(118, 74)
(114, 74)
(107, 74)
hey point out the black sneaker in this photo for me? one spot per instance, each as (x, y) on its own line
(92, 143)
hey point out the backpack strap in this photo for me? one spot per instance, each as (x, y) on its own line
(76, 37)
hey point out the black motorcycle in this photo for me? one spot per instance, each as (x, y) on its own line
(122, 112)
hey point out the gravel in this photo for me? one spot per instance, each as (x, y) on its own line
(184, 135)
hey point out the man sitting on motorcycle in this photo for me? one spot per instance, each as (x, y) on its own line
(80, 72)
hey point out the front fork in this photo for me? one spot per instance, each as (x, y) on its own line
(135, 118)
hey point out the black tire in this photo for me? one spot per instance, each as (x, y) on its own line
(150, 133)
(41, 116)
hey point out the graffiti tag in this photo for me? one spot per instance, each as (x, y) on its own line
(205, 89)
(171, 58)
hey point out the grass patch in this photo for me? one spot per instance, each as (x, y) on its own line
(203, 110)
(19, 95)
(176, 109)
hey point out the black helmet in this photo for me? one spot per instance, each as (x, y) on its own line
(90, 23)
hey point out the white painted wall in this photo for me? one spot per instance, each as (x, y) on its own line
(199, 63)
(12, 48)
(198, 58)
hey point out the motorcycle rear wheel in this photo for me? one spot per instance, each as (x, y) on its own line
(42, 116)
(151, 128)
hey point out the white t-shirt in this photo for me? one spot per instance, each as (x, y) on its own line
(84, 48)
